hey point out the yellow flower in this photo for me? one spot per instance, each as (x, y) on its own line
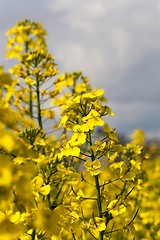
(8, 140)
(29, 81)
(35, 71)
(16, 70)
(47, 220)
(5, 78)
(106, 128)
(43, 112)
(93, 94)
(34, 96)
(60, 101)
(50, 114)
(63, 121)
(24, 187)
(21, 39)
(92, 119)
(77, 139)
(5, 171)
(116, 208)
(10, 231)
(43, 92)
(69, 150)
(10, 42)
(12, 53)
(81, 88)
(137, 137)
(92, 167)
(26, 97)
(101, 226)
(25, 110)
(95, 226)
(98, 146)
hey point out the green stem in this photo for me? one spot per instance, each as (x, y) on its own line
(39, 106)
(99, 205)
(59, 191)
(111, 230)
(110, 181)
(73, 234)
(30, 87)
(98, 197)
(90, 144)
(38, 103)
(30, 102)
(33, 234)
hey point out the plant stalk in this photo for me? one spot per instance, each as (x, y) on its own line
(99, 205)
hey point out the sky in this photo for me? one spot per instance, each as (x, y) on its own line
(116, 44)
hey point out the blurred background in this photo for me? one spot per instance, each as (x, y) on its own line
(116, 44)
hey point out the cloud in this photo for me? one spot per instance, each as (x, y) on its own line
(114, 27)
(137, 114)
(3, 47)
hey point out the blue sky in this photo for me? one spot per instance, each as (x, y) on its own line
(116, 44)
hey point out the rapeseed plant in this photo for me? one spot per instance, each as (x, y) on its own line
(44, 194)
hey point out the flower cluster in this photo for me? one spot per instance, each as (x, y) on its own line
(68, 186)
